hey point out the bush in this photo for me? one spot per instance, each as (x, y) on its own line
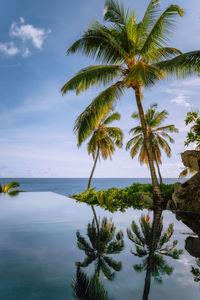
(137, 196)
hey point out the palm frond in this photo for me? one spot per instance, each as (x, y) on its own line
(168, 128)
(144, 74)
(93, 114)
(113, 117)
(91, 75)
(99, 42)
(114, 12)
(157, 55)
(159, 35)
(183, 65)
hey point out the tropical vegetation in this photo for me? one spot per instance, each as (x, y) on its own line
(195, 271)
(193, 135)
(137, 195)
(132, 54)
(10, 188)
(141, 237)
(103, 138)
(103, 242)
(88, 288)
(157, 136)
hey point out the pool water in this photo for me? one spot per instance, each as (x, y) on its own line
(43, 257)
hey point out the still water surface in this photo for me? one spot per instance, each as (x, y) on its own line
(39, 255)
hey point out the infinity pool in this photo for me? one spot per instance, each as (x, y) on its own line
(48, 251)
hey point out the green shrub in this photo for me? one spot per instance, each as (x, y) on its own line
(137, 196)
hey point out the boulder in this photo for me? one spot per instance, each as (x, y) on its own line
(186, 196)
(192, 245)
(191, 159)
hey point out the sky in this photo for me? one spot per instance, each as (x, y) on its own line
(36, 121)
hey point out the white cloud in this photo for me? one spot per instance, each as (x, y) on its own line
(180, 100)
(8, 49)
(22, 20)
(28, 32)
(26, 53)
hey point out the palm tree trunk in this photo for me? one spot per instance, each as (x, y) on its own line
(94, 166)
(155, 235)
(89, 186)
(156, 188)
(159, 173)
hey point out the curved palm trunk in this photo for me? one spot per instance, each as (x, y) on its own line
(156, 188)
(94, 166)
(95, 217)
(155, 235)
(89, 186)
(159, 173)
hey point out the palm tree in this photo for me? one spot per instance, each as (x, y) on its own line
(8, 188)
(132, 53)
(101, 244)
(150, 245)
(103, 138)
(156, 135)
(86, 288)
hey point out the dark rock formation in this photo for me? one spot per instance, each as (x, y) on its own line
(192, 221)
(186, 196)
(192, 245)
(191, 159)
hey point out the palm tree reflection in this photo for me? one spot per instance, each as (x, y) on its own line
(196, 271)
(150, 244)
(88, 288)
(101, 244)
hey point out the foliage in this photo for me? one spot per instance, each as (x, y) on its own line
(196, 271)
(88, 288)
(102, 243)
(132, 53)
(193, 135)
(157, 136)
(8, 188)
(137, 195)
(142, 239)
(104, 137)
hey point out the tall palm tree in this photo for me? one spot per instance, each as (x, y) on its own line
(156, 134)
(103, 139)
(101, 244)
(8, 188)
(133, 55)
(150, 245)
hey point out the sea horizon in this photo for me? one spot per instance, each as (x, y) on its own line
(70, 186)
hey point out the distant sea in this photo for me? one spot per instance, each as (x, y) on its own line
(71, 186)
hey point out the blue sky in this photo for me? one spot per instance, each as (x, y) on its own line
(36, 121)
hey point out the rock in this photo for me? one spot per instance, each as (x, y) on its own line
(186, 196)
(192, 245)
(191, 159)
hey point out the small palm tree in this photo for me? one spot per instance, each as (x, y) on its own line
(101, 244)
(156, 134)
(8, 188)
(88, 288)
(133, 54)
(143, 242)
(103, 139)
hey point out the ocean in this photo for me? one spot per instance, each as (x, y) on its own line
(71, 186)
